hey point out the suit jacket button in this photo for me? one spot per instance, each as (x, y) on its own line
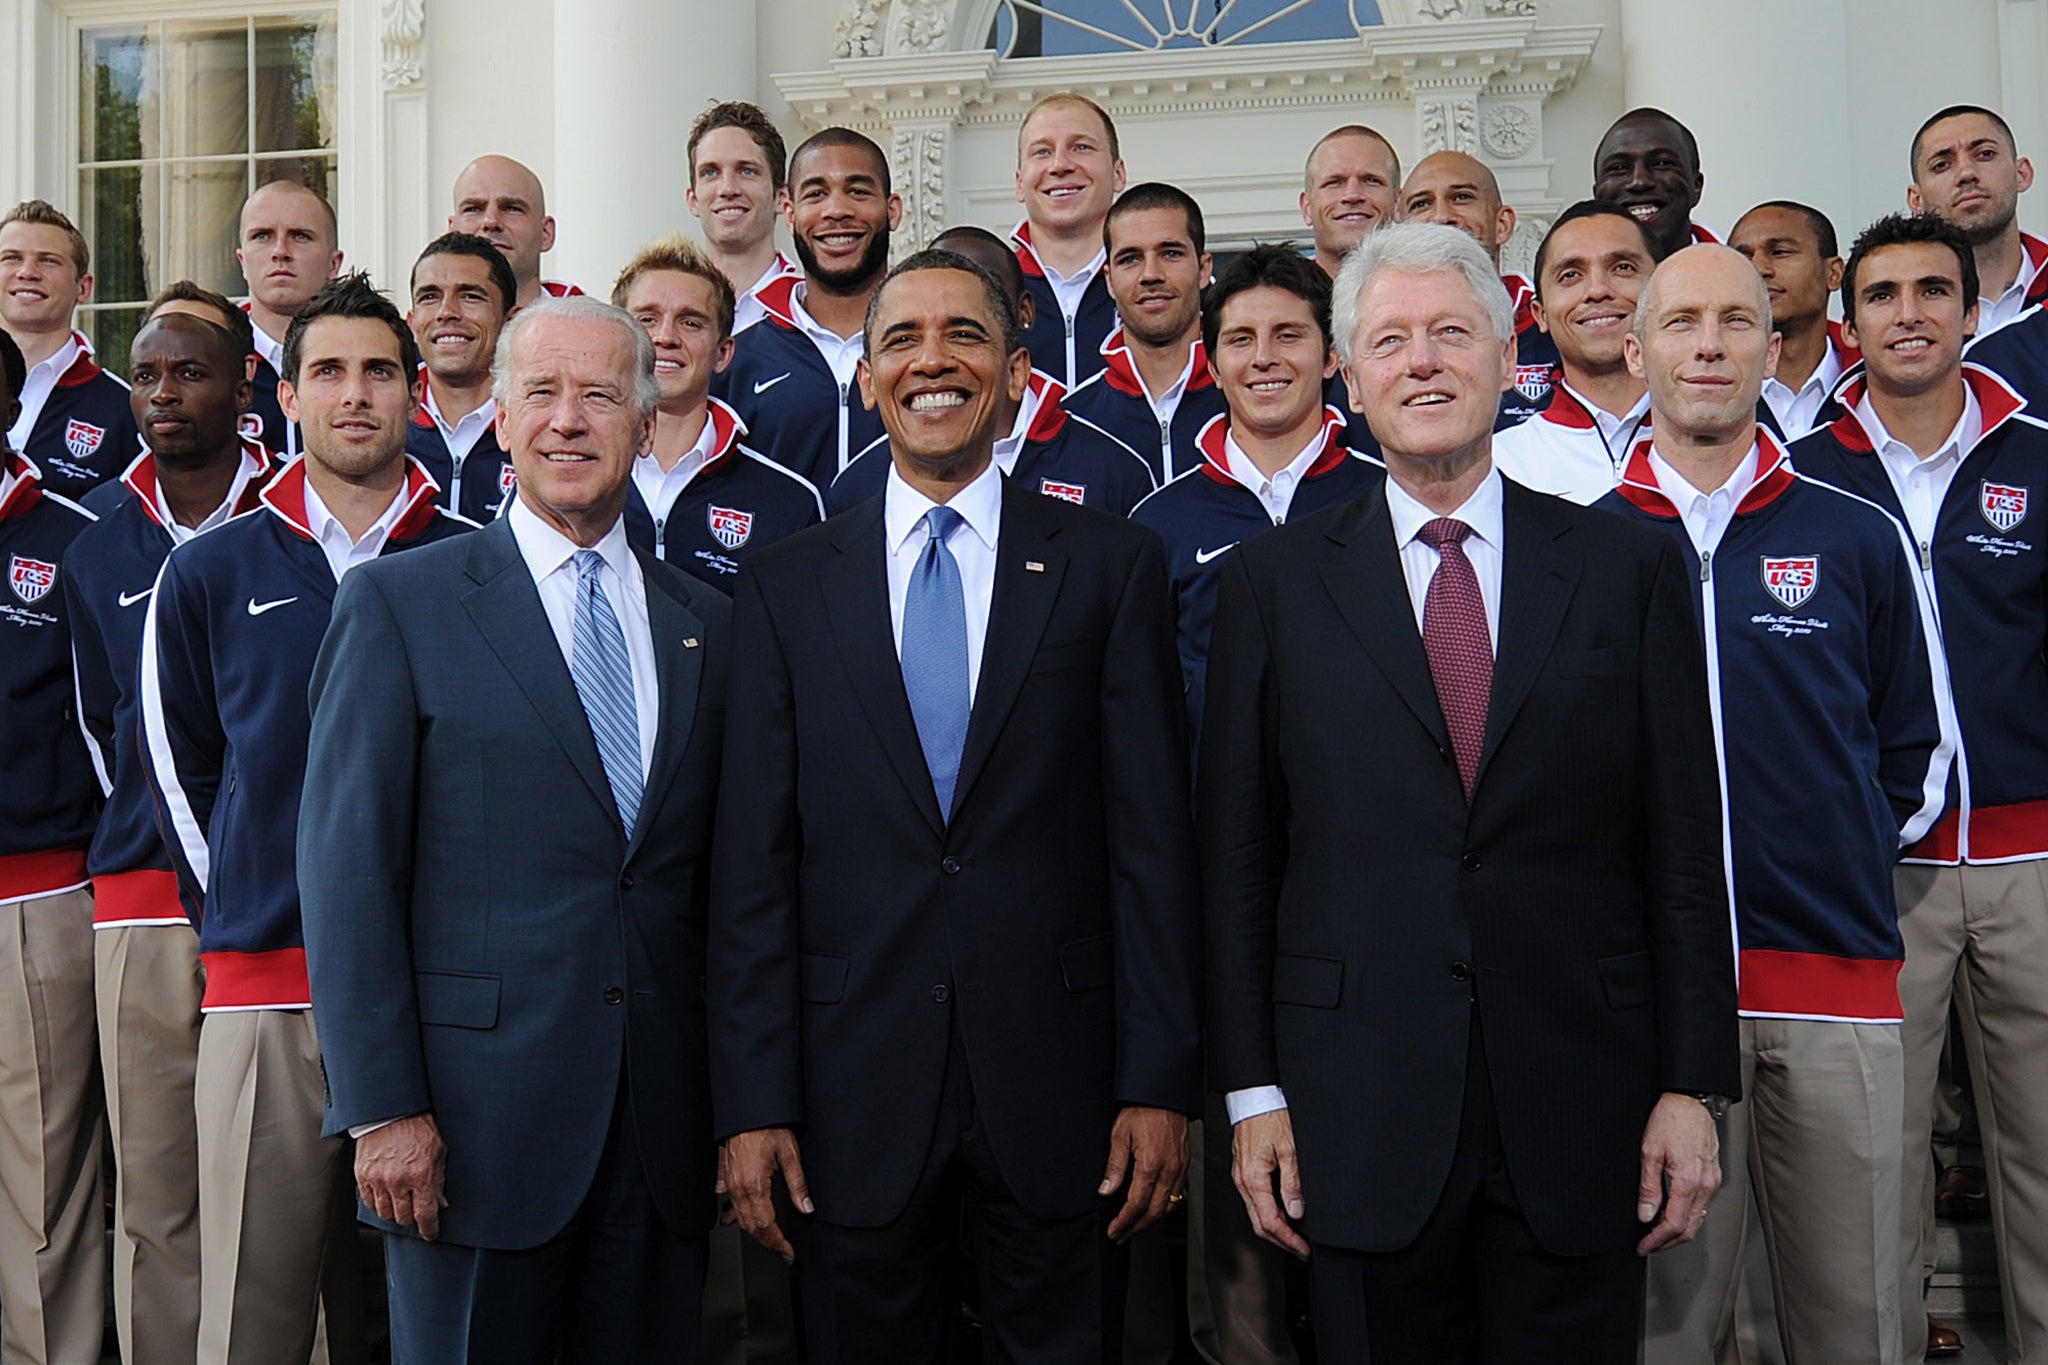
(1470, 862)
(614, 996)
(941, 994)
(950, 866)
(1460, 972)
(626, 882)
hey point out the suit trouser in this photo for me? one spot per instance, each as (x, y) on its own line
(1814, 1140)
(1246, 1277)
(52, 1238)
(271, 1194)
(149, 983)
(749, 1302)
(1980, 933)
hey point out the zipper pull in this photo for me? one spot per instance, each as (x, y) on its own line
(1926, 557)
(1706, 566)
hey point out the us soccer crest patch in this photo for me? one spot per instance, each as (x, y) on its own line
(1533, 381)
(2003, 505)
(507, 476)
(730, 527)
(1075, 493)
(31, 579)
(82, 438)
(1792, 580)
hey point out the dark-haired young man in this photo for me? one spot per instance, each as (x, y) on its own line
(791, 379)
(52, 1218)
(1069, 169)
(1044, 447)
(286, 246)
(1947, 449)
(190, 389)
(233, 627)
(1968, 170)
(1793, 247)
(1589, 271)
(1154, 390)
(73, 422)
(739, 187)
(462, 292)
(700, 497)
(1648, 163)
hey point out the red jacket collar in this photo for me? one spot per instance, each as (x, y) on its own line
(20, 484)
(1997, 400)
(1773, 476)
(1847, 354)
(81, 370)
(1216, 460)
(1704, 234)
(778, 297)
(1122, 371)
(1565, 410)
(726, 430)
(2037, 256)
(285, 495)
(1521, 293)
(140, 479)
(1041, 412)
(1027, 252)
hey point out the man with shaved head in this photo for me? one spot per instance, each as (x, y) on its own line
(1347, 188)
(1460, 191)
(1820, 663)
(501, 201)
(286, 248)
(1649, 163)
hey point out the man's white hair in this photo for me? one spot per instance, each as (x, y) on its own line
(1416, 249)
(646, 390)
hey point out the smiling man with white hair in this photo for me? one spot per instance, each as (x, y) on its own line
(1474, 991)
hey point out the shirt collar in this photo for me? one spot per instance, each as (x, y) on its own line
(1682, 494)
(1086, 272)
(546, 550)
(483, 413)
(267, 346)
(1481, 511)
(1605, 422)
(693, 459)
(1962, 439)
(1247, 472)
(63, 358)
(1825, 375)
(979, 504)
(325, 525)
(814, 329)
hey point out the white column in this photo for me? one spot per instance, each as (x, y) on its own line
(630, 76)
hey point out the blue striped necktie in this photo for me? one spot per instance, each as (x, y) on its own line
(935, 655)
(604, 680)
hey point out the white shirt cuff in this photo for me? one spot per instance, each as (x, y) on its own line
(364, 1129)
(1252, 1102)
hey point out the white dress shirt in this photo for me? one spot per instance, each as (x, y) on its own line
(841, 354)
(272, 351)
(1068, 289)
(659, 488)
(1275, 492)
(1706, 515)
(344, 553)
(1993, 314)
(748, 308)
(551, 558)
(973, 547)
(41, 382)
(1481, 512)
(462, 436)
(1922, 484)
(1579, 464)
(249, 468)
(1798, 412)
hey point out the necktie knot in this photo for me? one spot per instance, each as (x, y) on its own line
(940, 521)
(588, 562)
(1443, 531)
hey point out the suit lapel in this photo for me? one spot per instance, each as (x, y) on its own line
(1363, 576)
(506, 608)
(678, 669)
(1018, 610)
(855, 588)
(1537, 577)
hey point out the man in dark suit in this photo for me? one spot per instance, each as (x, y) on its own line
(1471, 981)
(954, 913)
(507, 814)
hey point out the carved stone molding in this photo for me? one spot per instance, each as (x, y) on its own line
(402, 31)
(860, 29)
(917, 164)
(1448, 124)
(1508, 131)
(920, 25)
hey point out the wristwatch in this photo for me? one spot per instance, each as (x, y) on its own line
(1717, 1105)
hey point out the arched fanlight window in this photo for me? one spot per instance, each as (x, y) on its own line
(1062, 28)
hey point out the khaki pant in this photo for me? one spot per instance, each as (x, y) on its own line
(1979, 934)
(149, 984)
(1814, 1140)
(271, 1215)
(52, 1235)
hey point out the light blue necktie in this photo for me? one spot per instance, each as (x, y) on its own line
(935, 656)
(604, 680)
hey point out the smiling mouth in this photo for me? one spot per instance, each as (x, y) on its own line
(1427, 400)
(1910, 344)
(1643, 213)
(567, 457)
(936, 402)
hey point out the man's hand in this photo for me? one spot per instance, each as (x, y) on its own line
(1151, 1146)
(401, 1169)
(1261, 1146)
(748, 1164)
(1681, 1171)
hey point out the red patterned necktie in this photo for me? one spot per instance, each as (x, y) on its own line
(1455, 637)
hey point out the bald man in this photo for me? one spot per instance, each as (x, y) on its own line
(1460, 191)
(286, 248)
(501, 201)
(1821, 661)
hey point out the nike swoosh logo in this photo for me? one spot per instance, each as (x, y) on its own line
(1204, 556)
(768, 384)
(129, 599)
(258, 608)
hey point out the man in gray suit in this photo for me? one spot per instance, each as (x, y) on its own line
(507, 805)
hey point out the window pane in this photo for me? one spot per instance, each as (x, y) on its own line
(316, 173)
(116, 69)
(204, 200)
(206, 88)
(119, 216)
(294, 82)
(111, 330)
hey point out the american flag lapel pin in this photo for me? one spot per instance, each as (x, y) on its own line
(1033, 566)
(689, 642)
